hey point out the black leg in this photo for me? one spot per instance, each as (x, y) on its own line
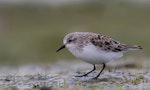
(88, 72)
(100, 71)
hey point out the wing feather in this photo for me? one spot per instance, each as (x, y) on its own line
(107, 44)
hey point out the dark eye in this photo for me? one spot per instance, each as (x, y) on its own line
(69, 40)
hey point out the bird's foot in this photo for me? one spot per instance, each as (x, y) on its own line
(95, 78)
(84, 75)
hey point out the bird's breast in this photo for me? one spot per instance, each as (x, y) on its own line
(94, 55)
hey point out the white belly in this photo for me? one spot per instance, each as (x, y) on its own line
(93, 55)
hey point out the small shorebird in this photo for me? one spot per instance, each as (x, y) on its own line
(95, 48)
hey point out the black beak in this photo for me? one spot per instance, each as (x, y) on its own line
(63, 46)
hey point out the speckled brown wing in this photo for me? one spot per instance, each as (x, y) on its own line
(107, 44)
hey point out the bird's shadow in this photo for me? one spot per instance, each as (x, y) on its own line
(97, 80)
(89, 79)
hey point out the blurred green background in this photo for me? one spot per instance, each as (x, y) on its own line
(31, 32)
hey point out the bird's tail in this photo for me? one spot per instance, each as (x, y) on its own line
(134, 47)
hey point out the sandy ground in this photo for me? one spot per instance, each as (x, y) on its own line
(127, 73)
